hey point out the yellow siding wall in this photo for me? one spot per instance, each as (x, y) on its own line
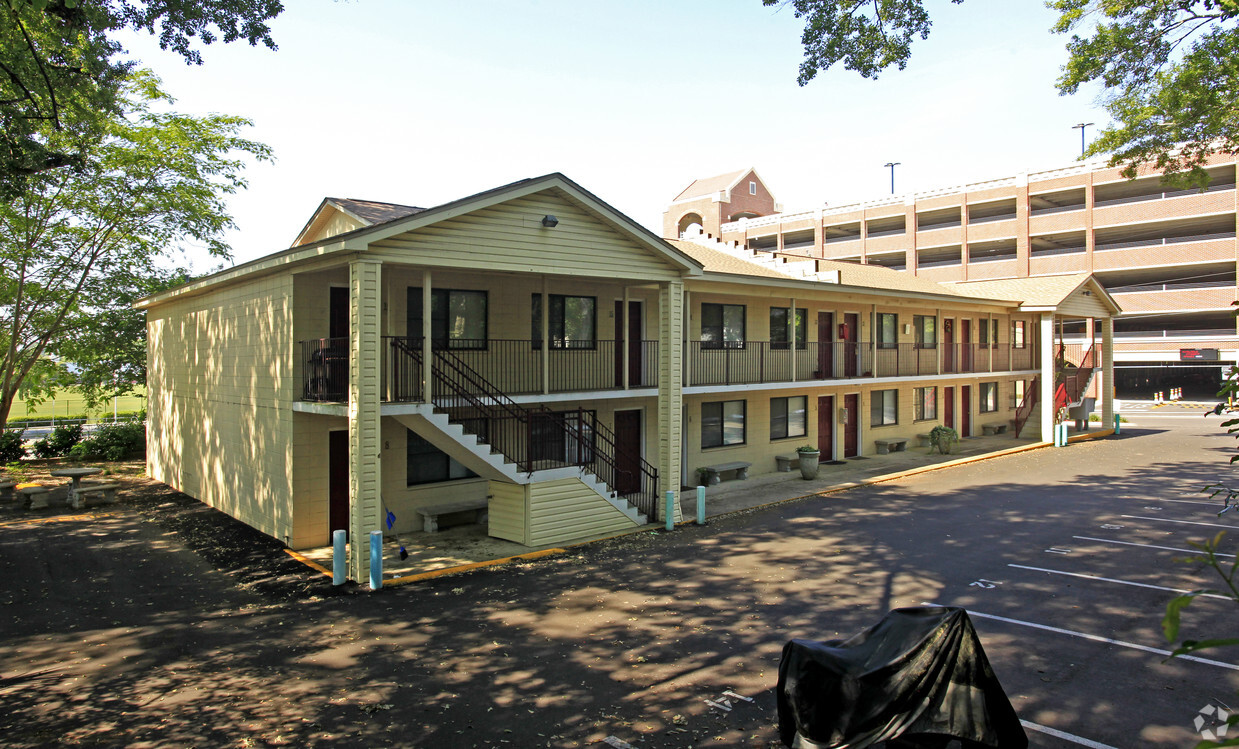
(568, 510)
(509, 512)
(220, 386)
(510, 237)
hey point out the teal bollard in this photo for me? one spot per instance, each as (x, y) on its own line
(1118, 424)
(339, 557)
(701, 505)
(669, 509)
(376, 560)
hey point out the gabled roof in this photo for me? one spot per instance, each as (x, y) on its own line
(711, 185)
(1037, 291)
(364, 212)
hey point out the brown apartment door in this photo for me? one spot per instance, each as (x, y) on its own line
(948, 346)
(849, 333)
(948, 407)
(826, 427)
(825, 345)
(965, 345)
(851, 434)
(337, 481)
(632, 339)
(628, 451)
(965, 410)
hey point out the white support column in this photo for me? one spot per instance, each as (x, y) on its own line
(1045, 344)
(1107, 373)
(428, 389)
(670, 392)
(364, 437)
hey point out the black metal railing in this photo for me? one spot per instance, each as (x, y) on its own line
(1025, 409)
(324, 368)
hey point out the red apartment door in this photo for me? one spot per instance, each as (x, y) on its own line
(628, 451)
(965, 410)
(965, 346)
(826, 427)
(850, 333)
(851, 435)
(633, 341)
(948, 407)
(337, 481)
(948, 346)
(825, 345)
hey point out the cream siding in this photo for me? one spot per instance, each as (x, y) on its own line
(509, 512)
(363, 409)
(1079, 305)
(510, 237)
(220, 385)
(567, 510)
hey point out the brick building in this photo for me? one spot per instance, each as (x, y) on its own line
(1168, 257)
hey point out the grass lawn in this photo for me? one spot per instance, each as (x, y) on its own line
(71, 403)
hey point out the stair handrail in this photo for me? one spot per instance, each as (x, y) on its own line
(1024, 410)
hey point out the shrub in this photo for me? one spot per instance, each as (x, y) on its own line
(11, 447)
(942, 437)
(112, 442)
(59, 442)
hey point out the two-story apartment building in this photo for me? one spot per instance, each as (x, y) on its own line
(1167, 256)
(532, 349)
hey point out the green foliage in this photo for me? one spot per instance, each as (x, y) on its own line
(64, 74)
(1169, 68)
(942, 437)
(806, 449)
(59, 442)
(112, 442)
(11, 448)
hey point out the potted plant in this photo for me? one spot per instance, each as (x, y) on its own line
(941, 438)
(808, 455)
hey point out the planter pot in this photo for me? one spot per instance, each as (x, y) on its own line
(808, 464)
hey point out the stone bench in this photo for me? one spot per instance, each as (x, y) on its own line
(787, 462)
(922, 440)
(430, 515)
(106, 492)
(893, 445)
(36, 497)
(992, 429)
(6, 489)
(713, 473)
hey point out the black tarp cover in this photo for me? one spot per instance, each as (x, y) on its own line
(919, 670)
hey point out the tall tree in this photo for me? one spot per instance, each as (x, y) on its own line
(60, 64)
(1169, 68)
(76, 242)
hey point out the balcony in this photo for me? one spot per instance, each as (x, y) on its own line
(514, 367)
(761, 362)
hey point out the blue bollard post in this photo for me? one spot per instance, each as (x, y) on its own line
(376, 560)
(701, 505)
(339, 558)
(1118, 424)
(669, 510)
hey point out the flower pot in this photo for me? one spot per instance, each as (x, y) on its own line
(808, 464)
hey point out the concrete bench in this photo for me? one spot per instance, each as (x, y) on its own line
(430, 515)
(36, 497)
(6, 489)
(713, 473)
(992, 429)
(893, 445)
(106, 492)
(922, 440)
(787, 462)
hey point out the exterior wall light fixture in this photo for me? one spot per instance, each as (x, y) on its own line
(550, 221)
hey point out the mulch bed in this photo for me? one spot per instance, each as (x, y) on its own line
(254, 560)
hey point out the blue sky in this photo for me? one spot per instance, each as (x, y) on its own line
(423, 102)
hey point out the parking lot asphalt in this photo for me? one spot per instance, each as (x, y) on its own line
(1064, 558)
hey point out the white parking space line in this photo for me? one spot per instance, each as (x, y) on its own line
(1112, 580)
(1149, 546)
(1185, 501)
(1065, 736)
(1097, 638)
(1184, 522)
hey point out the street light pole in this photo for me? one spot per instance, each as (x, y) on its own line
(891, 165)
(1081, 127)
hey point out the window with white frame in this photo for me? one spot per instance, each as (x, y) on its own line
(789, 417)
(427, 464)
(925, 404)
(1019, 389)
(883, 408)
(989, 397)
(752, 188)
(887, 330)
(722, 423)
(722, 325)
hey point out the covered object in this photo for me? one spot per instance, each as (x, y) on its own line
(919, 674)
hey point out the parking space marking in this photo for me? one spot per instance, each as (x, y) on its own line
(1098, 638)
(1112, 580)
(1149, 546)
(1184, 522)
(1065, 736)
(1190, 501)
(1057, 550)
